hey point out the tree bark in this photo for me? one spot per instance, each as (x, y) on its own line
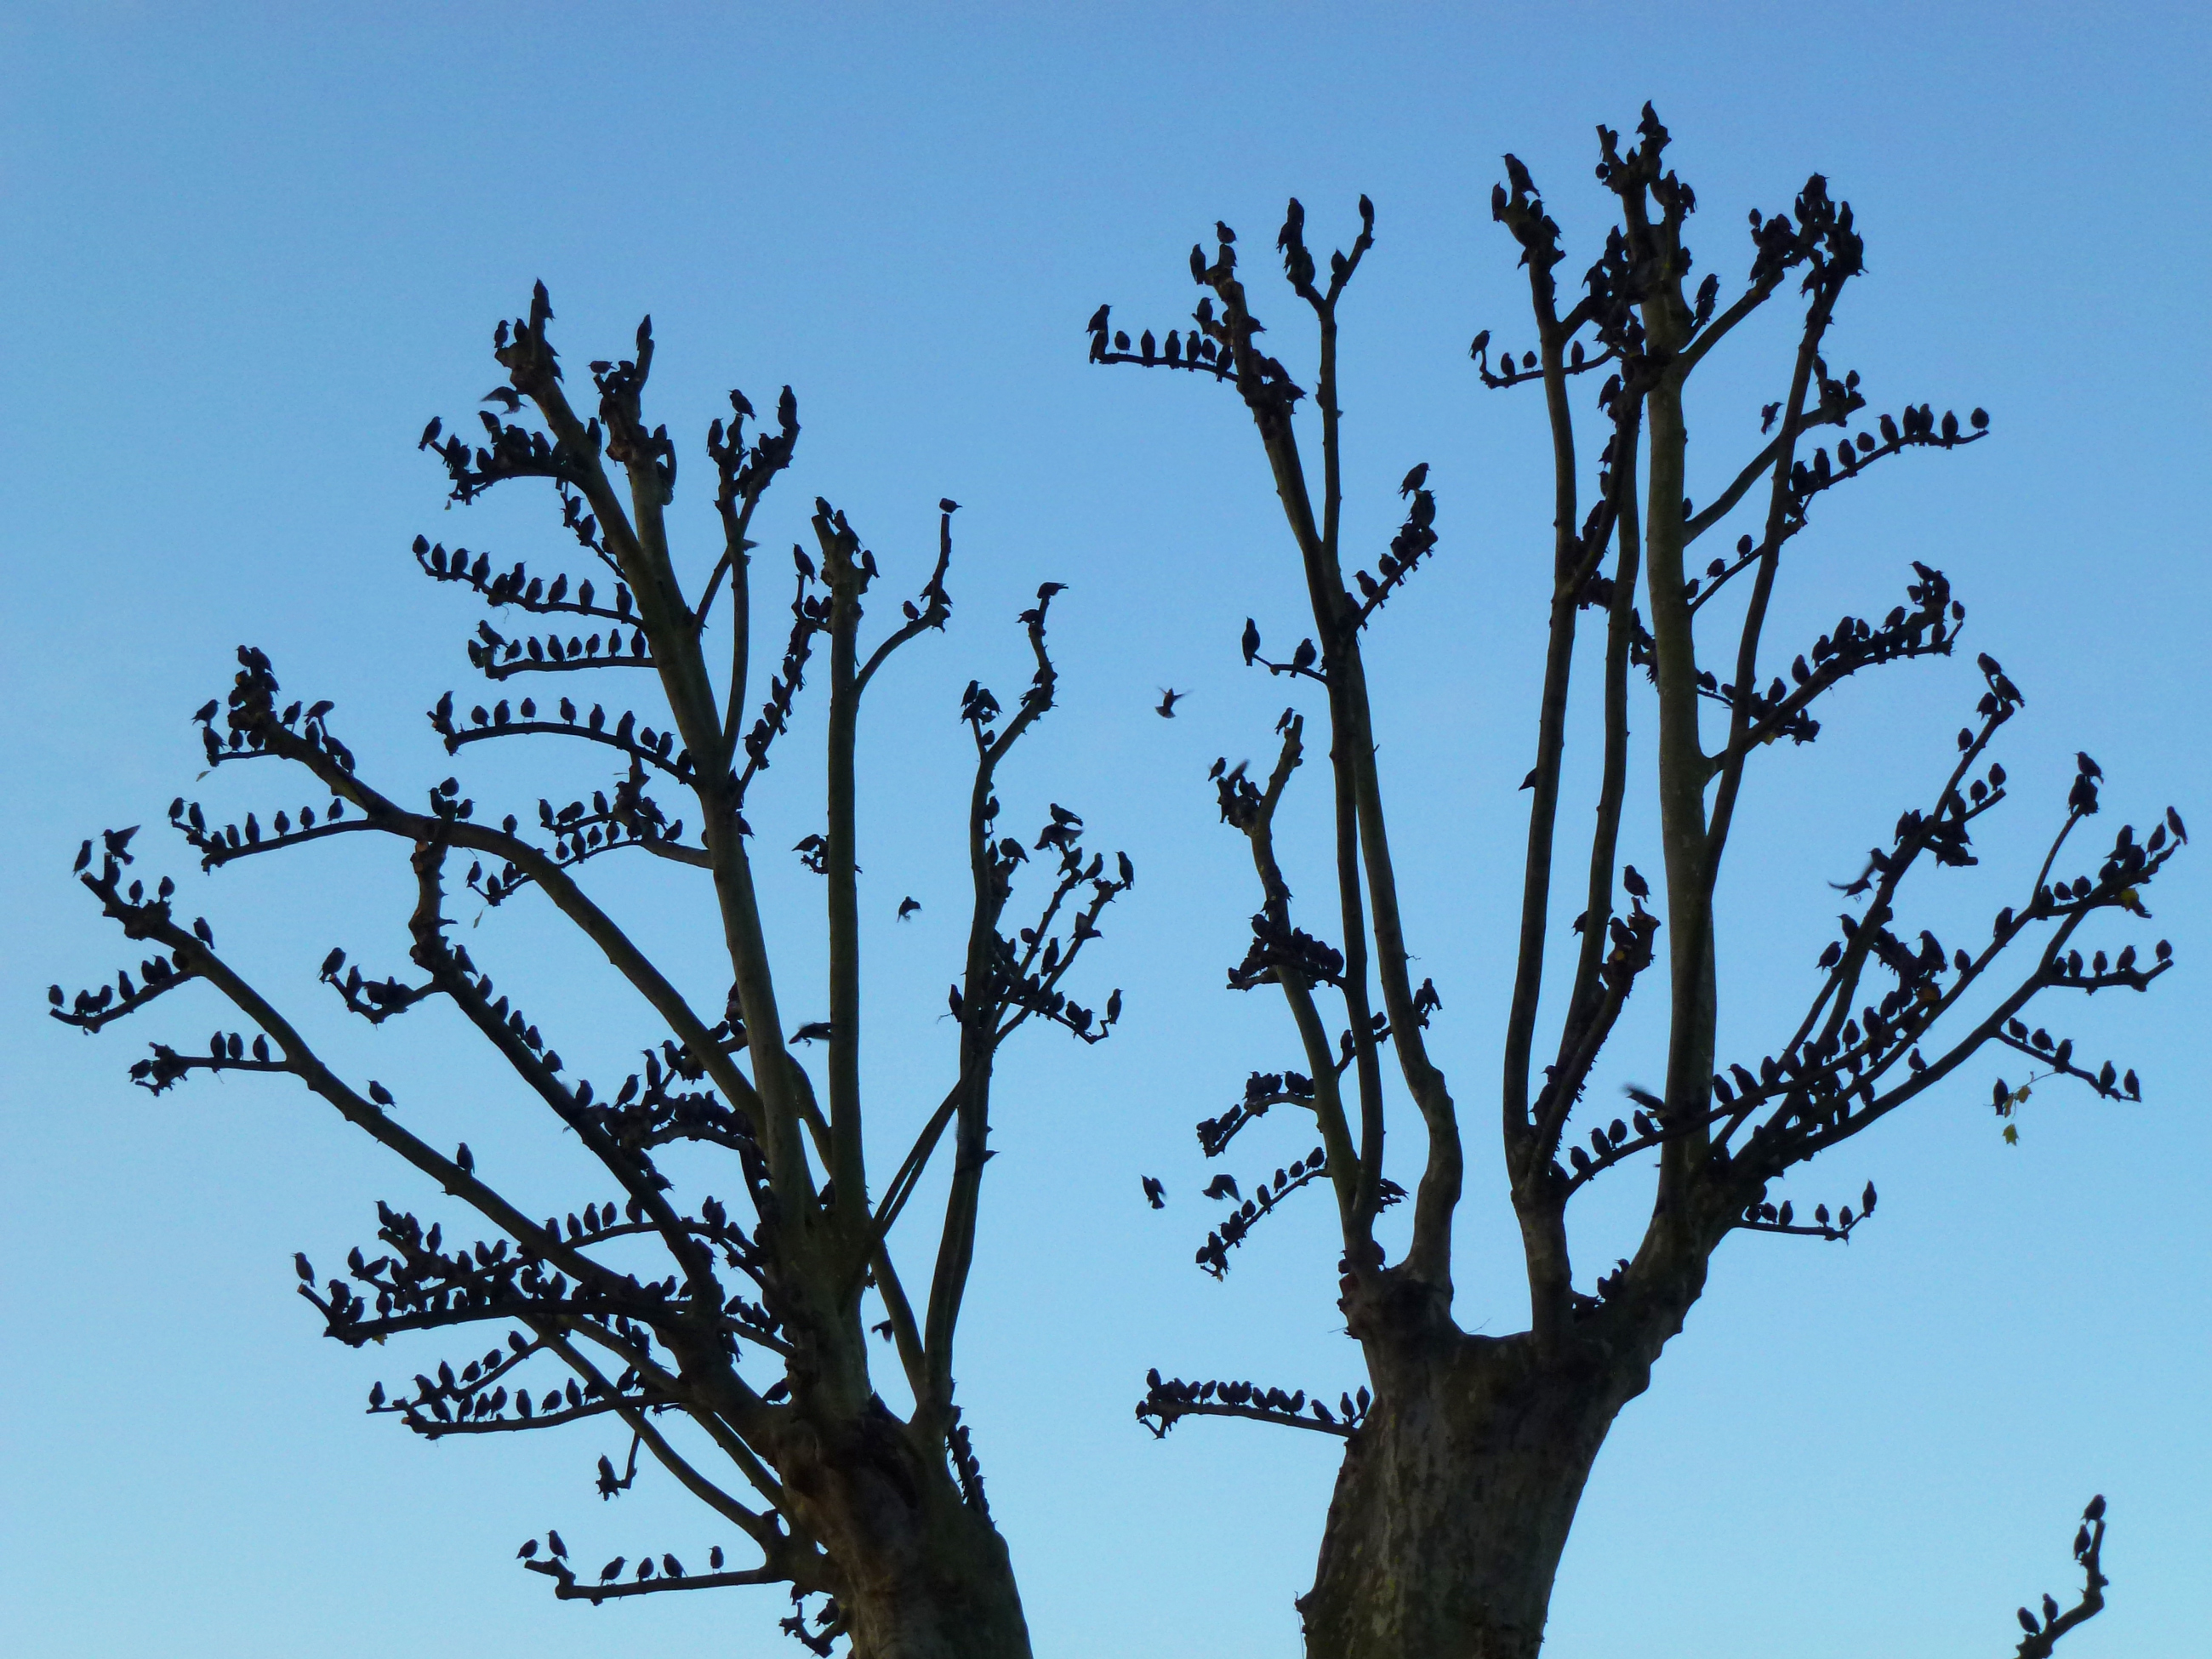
(1456, 1497)
(927, 1574)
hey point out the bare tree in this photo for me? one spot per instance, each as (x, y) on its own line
(1463, 1466)
(727, 1340)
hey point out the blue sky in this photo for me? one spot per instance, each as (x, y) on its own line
(245, 253)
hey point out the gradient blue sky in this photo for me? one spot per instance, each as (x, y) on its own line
(245, 251)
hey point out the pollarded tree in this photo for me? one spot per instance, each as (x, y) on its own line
(1462, 1470)
(726, 1340)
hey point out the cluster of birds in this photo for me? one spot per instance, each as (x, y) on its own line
(250, 718)
(1026, 972)
(2043, 1632)
(1261, 1091)
(1815, 1081)
(826, 1626)
(1167, 1399)
(90, 1009)
(558, 1276)
(417, 1286)
(1277, 948)
(744, 473)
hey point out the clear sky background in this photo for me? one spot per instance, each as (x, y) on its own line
(245, 252)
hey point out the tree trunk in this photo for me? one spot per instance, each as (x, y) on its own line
(1456, 1497)
(927, 1575)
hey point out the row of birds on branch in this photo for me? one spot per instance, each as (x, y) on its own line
(517, 586)
(642, 742)
(1928, 627)
(499, 657)
(1213, 1255)
(783, 687)
(1576, 360)
(1167, 1399)
(667, 1566)
(1764, 1217)
(1212, 347)
(219, 845)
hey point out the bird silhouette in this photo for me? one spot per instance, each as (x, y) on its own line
(1414, 479)
(558, 1550)
(907, 906)
(815, 1030)
(1156, 1194)
(1165, 710)
(1637, 886)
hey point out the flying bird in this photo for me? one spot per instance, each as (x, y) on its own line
(1168, 701)
(907, 906)
(1156, 1194)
